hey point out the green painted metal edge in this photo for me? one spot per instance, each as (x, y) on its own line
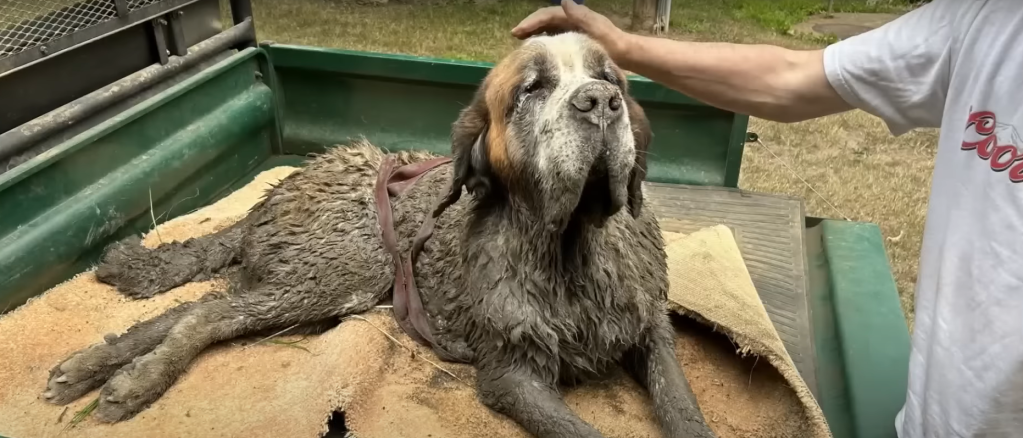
(833, 397)
(55, 154)
(63, 239)
(434, 70)
(874, 337)
(269, 76)
(736, 144)
(111, 198)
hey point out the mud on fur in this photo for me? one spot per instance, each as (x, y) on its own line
(549, 272)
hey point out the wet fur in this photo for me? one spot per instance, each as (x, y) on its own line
(532, 299)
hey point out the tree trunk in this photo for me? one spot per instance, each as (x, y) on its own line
(644, 13)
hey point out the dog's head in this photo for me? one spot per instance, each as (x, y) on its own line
(554, 129)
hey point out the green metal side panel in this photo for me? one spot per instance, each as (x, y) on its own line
(862, 339)
(400, 102)
(834, 398)
(171, 154)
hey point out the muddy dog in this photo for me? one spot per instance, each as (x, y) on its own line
(548, 273)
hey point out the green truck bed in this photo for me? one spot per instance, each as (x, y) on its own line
(826, 284)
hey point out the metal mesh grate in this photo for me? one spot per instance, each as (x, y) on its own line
(25, 24)
(139, 4)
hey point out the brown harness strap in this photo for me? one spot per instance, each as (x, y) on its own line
(408, 305)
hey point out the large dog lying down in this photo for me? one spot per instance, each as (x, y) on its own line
(550, 272)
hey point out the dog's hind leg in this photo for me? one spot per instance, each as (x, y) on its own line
(89, 368)
(138, 384)
(140, 272)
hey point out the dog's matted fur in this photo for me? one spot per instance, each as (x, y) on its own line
(549, 272)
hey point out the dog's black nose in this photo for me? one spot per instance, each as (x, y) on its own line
(597, 100)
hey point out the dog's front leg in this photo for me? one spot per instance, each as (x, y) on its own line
(653, 364)
(532, 403)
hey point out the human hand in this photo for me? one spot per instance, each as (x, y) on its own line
(570, 17)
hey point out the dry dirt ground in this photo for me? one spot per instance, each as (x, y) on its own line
(851, 159)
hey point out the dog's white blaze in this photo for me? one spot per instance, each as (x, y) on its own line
(567, 51)
(560, 153)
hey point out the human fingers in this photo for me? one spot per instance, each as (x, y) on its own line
(551, 18)
(574, 11)
(590, 22)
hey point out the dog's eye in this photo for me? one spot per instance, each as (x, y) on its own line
(610, 77)
(532, 87)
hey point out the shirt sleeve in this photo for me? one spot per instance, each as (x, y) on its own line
(899, 71)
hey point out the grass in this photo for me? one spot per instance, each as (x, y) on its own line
(81, 414)
(850, 158)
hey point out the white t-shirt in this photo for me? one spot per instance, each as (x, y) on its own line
(957, 65)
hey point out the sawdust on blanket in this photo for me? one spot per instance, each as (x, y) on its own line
(248, 389)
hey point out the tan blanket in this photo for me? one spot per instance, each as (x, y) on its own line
(746, 385)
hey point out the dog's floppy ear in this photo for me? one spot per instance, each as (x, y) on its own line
(471, 163)
(643, 135)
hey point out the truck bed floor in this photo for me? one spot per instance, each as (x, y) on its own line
(769, 232)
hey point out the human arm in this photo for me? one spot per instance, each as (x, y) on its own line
(760, 80)
(764, 81)
(899, 72)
